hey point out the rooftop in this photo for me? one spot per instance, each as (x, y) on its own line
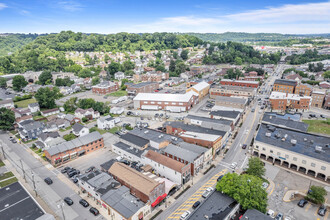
(235, 88)
(106, 166)
(122, 201)
(194, 128)
(210, 120)
(80, 141)
(311, 145)
(142, 84)
(226, 113)
(165, 97)
(166, 161)
(282, 95)
(193, 147)
(16, 203)
(134, 139)
(133, 178)
(129, 149)
(154, 135)
(216, 206)
(294, 117)
(104, 84)
(289, 123)
(251, 214)
(285, 82)
(77, 127)
(201, 85)
(231, 99)
(180, 152)
(240, 81)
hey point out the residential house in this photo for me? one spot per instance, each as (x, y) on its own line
(105, 122)
(172, 169)
(88, 113)
(45, 139)
(20, 112)
(8, 103)
(119, 75)
(30, 129)
(295, 77)
(205, 152)
(324, 85)
(50, 112)
(34, 107)
(79, 130)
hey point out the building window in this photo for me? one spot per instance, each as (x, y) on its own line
(166, 103)
(323, 167)
(271, 151)
(304, 161)
(152, 102)
(286, 156)
(313, 164)
(278, 154)
(295, 158)
(159, 102)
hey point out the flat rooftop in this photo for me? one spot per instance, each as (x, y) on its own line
(194, 128)
(231, 99)
(289, 123)
(235, 88)
(306, 142)
(255, 214)
(16, 203)
(294, 117)
(287, 82)
(154, 135)
(210, 120)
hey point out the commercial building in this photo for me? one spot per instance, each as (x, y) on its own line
(303, 89)
(151, 77)
(201, 88)
(220, 124)
(144, 87)
(233, 102)
(206, 152)
(232, 91)
(70, 150)
(134, 141)
(121, 205)
(233, 116)
(283, 101)
(140, 185)
(284, 85)
(172, 169)
(242, 83)
(255, 214)
(300, 151)
(105, 87)
(327, 102)
(185, 156)
(128, 151)
(164, 101)
(318, 99)
(285, 123)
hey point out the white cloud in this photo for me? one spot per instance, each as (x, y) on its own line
(299, 18)
(3, 5)
(70, 5)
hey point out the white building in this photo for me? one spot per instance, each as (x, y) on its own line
(34, 107)
(106, 122)
(7, 103)
(79, 130)
(119, 75)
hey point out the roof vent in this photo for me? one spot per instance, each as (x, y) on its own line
(278, 135)
(293, 141)
(305, 139)
(268, 134)
(312, 141)
(318, 149)
(131, 148)
(146, 132)
(160, 136)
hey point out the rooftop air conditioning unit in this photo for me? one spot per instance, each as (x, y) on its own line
(146, 132)
(293, 141)
(318, 149)
(305, 139)
(268, 134)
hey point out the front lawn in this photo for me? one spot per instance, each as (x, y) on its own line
(8, 182)
(25, 103)
(114, 130)
(118, 93)
(318, 126)
(6, 175)
(69, 137)
(97, 129)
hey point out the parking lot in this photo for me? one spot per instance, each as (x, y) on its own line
(288, 180)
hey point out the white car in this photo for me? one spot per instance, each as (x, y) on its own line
(271, 213)
(233, 165)
(287, 218)
(207, 192)
(185, 215)
(264, 185)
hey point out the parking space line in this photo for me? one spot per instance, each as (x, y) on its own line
(308, 206)
(326, 215)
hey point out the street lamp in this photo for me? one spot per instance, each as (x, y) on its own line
(60, 206)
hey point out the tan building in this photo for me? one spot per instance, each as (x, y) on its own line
(303, 152)
(231, 102)
(284, 85)
(318, 99)
(232, 91)
(202, 89)
(283, 101)
(303, 89)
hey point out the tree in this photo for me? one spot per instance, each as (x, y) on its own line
(184, 54)
(238, 61)
(19, 82)
(70, 105)
(3, 82)
(326, 74)
(46, 97)
(63, 82)
(84, 119)
(312, 77)
(113, 68)
(45, 77)
(256, 167)
(316, 194)
(106, 58)
(7, 119)
(245, 189)
(95, 81)
(172, 66)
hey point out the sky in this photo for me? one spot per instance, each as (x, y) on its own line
(136, 16)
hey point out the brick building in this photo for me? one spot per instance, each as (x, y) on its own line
(303, 89)
(105, 87)
(70, 150)
(318, 98)
(144, 87)
(232, 82)
(140, 185)
(151, 77)
(284, 85)
(232, 91)
(327, 102)
(164, 101)
(283, 101)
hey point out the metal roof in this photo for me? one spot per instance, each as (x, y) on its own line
(134, 139)
(231, 99)
(194, 128)
(210, 120)
(154, 135)
(287, 82)
(182, 153)
(225, 113)
(193, 147)
(167, 97)
(255, 214)
(297, 125)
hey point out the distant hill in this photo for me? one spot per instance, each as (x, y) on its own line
(10, 43)
(251, 37)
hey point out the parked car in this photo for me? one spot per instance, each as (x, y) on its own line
(253, 110)
(302, 203)
(125, 162)
(244, 146)
(129, 113)
(72, 173)
(287, 218)
(90, 169)
(65, 169)
(207, 192)
(271, 213)
(48, 180)
(68, 201)
(322, 116)
(94, 211)
(196, 204)
(75, 180)
(14, 140)
(312, 115)
(279, 216)
(233, 165)
(185, 215)
(219, 178)
(84, 203)
(322, 210)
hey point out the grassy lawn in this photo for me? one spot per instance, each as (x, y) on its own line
(65, 129)
(118, 93)
(114, 129)
(8, 182)
(2, 164)
(97, 129)
(318, 126)
(38, 117)
(6, 175)
(13, 132)
(37, 151)
(24, 103)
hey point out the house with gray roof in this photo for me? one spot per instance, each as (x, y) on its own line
(134, 141)
(8, 103)
(106, 122)
(206, 152)
(123, 205)
(34, 107)
(30, 129)
(79, 130)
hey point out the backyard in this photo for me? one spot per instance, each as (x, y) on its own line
(118, 93)
(318, 126)
(25, 103)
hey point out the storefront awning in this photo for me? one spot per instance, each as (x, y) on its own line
(158, 200)
(81, 152)
(65, 156)
(73, 154)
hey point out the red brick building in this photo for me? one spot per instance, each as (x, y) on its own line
(75, 148)
(284, 85)
(283, 101)
(105, 87)
(144, 87)
(231, 82)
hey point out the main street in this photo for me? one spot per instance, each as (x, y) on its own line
(53, 194)
(235, 154)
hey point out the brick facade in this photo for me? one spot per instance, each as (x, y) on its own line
(240, 83)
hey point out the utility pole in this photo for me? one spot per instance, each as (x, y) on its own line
(23, 170)
(34, 184)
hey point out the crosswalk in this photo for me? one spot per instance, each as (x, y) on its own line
(195, 197)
